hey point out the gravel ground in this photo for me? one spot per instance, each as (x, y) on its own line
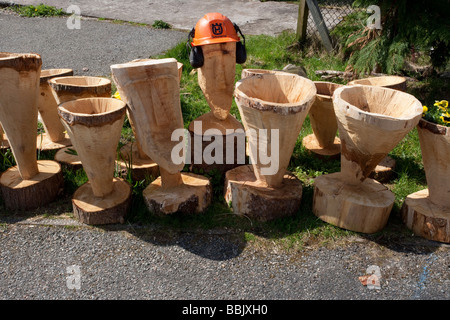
(90, 50)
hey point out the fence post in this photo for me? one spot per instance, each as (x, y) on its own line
(302, 21)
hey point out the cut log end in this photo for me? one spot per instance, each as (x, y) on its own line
(92, 210)
(251, 198)
(44, 143)
(142, 167)
(425, 218)
(65, 157)
(384, 171)
(330, 152)
(43, 188)
(193, 196)
(362, 208)
(139, 169)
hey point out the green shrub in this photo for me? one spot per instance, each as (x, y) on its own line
(408, 27)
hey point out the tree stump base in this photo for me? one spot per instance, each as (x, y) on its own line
(68, 159)
(141, 168)
(426, 218)
(254, 199)
(92, 210)
(331, 152)
(43, 188)
(364, 207)
(193, 196)
(384, 171)
(44, 143)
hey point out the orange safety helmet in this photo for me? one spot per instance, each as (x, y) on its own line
(214, 28)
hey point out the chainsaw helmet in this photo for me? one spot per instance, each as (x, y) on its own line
(214, 28)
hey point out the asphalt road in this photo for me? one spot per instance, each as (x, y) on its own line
(61, 259)
(90, 50)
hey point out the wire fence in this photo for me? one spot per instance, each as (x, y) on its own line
(333, 11)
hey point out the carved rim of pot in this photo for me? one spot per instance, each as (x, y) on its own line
(81, 84)
(20, 61)
(47, 74)
(389, 109)
(326, 89)
(251, 72)
(92, 112)
(393, 82)
(434, 127)
(259, 92)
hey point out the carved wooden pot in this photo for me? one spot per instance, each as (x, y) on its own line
(77, 87)
(384, 171)
(54, 136)
(427, 212)
(30, 183)
(94, 126)
(371, 121)
(277, 103)
(323, 141)
(150, 89)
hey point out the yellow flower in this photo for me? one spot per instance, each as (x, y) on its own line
(425, 109)
(445, 117)
(442, 105)
(117, 95)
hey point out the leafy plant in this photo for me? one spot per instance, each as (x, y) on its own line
(41, 10)
(159, 24)
(408, 27)
(438, 113)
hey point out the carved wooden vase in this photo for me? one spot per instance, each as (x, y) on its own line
(427, 212)
(323, 141)
(273, 108)
(69, 88)
(31, 183)
(54, 136)
(371, 122)
(94, 126)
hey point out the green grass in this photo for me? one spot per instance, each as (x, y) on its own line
(303, 228)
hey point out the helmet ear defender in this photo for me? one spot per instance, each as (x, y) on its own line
(196, 58)
(195, 53)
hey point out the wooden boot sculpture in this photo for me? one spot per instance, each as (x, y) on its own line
(54, 136)
(31, 183)
(94, 126)
(383, 172)
(217, 138)
(71, 88)
(151, 91)
(323, 141)
(132, 157)
(273, 108)
(371, 122)
(427, 212)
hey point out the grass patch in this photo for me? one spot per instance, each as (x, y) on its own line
(41, 10)
(303, 228)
